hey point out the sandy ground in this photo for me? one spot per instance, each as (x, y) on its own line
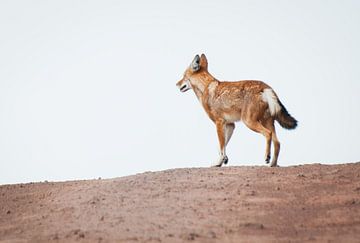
(315, 203)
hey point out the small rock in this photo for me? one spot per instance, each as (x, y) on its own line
(312, 238)
(254, 225)
(55, 237)
(278, 188)
(192, 236)
(8, 212)
(212, 234)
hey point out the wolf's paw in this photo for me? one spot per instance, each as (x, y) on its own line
(222, 160)
(216, 164)
(226, 160)
(274, 164)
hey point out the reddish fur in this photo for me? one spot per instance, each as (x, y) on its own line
(228, 102)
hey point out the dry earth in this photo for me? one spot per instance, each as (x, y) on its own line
(316, 203)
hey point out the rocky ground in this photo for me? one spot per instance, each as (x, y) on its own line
(315, 203)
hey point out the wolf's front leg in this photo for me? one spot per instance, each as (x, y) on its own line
(220, 128)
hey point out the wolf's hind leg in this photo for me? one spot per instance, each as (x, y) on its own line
(269, 124)
(276, 150)
(256, 126)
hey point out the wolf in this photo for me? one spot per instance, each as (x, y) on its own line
(251, 101)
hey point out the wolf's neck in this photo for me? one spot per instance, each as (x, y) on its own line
(200, 83)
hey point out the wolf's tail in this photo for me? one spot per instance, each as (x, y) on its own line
(284, 118)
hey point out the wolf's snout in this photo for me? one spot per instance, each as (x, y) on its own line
(183, 85)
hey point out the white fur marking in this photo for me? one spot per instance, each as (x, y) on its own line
(269, 97)
(231, 117)
(212, 87)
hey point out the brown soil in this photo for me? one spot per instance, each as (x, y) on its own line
(317, 203)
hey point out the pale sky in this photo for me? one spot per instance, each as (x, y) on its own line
(87, 88)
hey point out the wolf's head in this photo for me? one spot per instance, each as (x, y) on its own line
(197, 66)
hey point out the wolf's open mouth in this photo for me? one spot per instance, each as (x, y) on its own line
(184, 88)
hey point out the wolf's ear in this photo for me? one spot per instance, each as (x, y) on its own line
(195, 64)
(203, 62)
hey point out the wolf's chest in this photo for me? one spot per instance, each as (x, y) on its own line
(231, 117)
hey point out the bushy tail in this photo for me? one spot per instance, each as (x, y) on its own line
(284, 118)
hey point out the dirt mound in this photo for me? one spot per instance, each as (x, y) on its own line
(229, 204)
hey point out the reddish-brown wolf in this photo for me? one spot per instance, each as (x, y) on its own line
(253, 102)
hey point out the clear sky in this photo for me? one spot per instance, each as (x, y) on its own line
(87, 88)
